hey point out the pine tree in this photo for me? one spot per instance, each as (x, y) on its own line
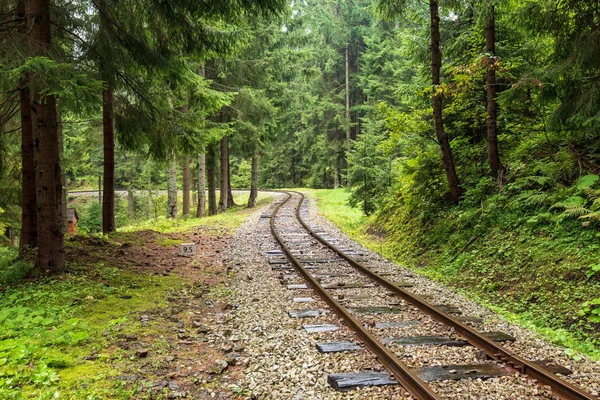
(51, 255)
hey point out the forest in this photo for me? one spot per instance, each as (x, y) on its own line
(466, 133)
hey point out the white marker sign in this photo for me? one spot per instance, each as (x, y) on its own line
(187, 249)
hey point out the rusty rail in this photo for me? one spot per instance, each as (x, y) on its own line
(408, 379)
(560, 387)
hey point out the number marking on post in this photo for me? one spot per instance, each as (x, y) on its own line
(187, 249)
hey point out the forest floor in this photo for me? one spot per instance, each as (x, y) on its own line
(130, 318)
(133, 319)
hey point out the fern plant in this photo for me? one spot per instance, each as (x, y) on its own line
(586, 206)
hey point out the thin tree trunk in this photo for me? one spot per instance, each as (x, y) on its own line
(28, 188)
(492, 106)
(336, 176)
(108, 195)
(201, 211)
(63, 177)
(186, 185)
(254, 182)
(348, 120)
(51, 252)
(130, 205)
(230, 202)
(172, 189)
(442, 137)
(194, 188)
(224, 189)
(212, 189)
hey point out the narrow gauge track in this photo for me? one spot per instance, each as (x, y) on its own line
(407, 377)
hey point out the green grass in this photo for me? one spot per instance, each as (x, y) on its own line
(11, 268)
(48, 327)
(333, 204)
(230, 219)
(537, 279)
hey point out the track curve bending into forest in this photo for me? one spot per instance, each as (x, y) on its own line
(309, 255)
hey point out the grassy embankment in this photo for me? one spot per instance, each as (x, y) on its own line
(538, 278)
(76, 335)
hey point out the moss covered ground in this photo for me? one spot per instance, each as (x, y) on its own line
(83, 334)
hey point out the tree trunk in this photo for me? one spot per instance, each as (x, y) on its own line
(492, 106)
(336, 176)
(348, 120)
(28, 188)
(230, 202)
(63, 177)
(108, 195)
(201, 211)
(186, 185)
(194, 188)
(130, 205)
(172, 189)
(51, 252)
(442, 137)
(224, 189)
(212, 195)
(254, 183)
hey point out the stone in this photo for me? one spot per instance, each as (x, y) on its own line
(232, 359)
(142, 353)
(227, 348)
(218, 366)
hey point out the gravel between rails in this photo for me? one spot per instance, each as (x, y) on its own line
(284, 363)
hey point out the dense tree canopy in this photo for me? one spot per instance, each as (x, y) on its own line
(427, 104)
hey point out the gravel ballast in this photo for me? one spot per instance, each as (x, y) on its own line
(282, 358)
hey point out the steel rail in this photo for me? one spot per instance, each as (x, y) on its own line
(560, 387)
(407, 378)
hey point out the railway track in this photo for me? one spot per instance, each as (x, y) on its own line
(310, 259)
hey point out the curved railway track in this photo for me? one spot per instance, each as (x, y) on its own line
(286, 217)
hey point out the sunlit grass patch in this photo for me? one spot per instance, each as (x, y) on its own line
(230, 219)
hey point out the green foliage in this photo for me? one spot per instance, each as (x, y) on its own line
(591, 310)
(585, 208)
(369, 170)
(12, 270)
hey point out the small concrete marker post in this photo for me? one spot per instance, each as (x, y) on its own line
(187, 249)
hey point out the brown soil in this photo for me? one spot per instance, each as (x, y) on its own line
(180, 362)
